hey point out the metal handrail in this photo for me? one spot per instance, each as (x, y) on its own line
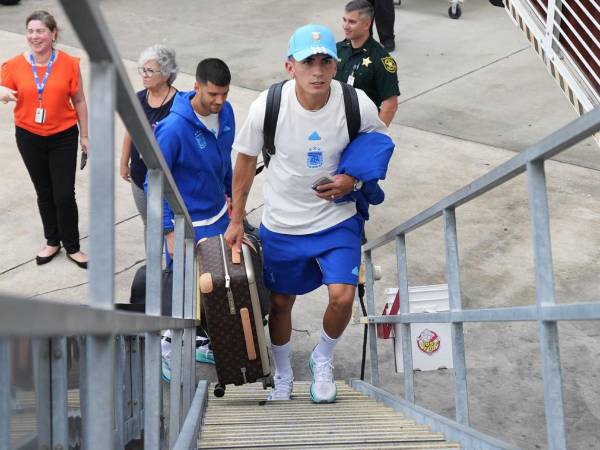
(546, 312)
(55, 318)
(548, 147)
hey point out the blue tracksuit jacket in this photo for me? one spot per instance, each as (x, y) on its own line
(366, 158)
(200, 163)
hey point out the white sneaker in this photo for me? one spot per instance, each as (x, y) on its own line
(282, 389)
(204, 354)
(165, 350)
(322, 389)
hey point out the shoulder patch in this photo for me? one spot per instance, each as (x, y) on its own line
(389, 64)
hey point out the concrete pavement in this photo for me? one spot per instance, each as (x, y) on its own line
(473, 93)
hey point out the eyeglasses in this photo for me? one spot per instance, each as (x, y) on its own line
(145, 72)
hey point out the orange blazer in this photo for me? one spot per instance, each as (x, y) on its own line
(62, 84)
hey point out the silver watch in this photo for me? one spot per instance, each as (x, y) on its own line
(358, 184)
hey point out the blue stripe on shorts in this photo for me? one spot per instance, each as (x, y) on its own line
(298, 264)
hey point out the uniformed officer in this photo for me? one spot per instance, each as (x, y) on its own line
(364, 63)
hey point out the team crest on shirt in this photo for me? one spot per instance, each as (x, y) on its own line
(200, 139)
(314, 158)
(389, 64)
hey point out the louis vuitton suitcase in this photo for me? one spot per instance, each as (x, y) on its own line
(231, 302)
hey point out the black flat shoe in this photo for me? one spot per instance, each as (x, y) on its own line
(83, 264)
(46, 259)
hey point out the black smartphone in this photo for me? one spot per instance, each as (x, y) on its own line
(83, 160)
(321, 181)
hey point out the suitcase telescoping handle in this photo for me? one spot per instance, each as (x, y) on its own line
(247, 327)
(227, 277)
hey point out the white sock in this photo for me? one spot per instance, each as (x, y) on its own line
(281, 359)
(324, 349)
(165, 346)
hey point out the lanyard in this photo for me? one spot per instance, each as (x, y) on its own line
(40, 87)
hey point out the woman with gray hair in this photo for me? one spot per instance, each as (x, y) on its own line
(158, 70)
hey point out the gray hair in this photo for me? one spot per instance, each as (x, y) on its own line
(363, 7)
(165, 57)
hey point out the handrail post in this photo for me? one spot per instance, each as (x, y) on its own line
(373, 358)
(176, 335)
(461, 393)
(99, 412)
(154, 236)
(120, 379)
(59, 390)
(544, 281)
(136, 386)
(43, 396)
(5, 392)
(407, 362)
(189, 334)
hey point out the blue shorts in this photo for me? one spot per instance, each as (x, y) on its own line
(298, 264)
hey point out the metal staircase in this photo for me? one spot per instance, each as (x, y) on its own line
(242, 419)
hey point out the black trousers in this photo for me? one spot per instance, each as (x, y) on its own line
(384, 19)
(51, 162)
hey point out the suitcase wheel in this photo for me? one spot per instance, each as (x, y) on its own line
(206, 283)
(267, 382)
(219, 390)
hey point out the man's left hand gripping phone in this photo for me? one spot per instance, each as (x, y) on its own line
(83, 160)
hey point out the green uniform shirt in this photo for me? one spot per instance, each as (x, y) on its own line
(372, 67)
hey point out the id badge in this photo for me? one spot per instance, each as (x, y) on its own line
(40, 115)
(350, 80)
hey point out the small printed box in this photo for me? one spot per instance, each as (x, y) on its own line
(431, 342)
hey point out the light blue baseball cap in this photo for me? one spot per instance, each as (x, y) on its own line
(312, 40)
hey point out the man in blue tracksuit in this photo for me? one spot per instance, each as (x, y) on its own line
(196, 139)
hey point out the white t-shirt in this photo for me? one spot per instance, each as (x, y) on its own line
(211, 122)
(308, 145)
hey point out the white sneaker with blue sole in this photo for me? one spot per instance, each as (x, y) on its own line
(166, 370)
(204, 354)
(322, 389)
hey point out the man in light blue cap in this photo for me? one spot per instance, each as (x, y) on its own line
(308, 239)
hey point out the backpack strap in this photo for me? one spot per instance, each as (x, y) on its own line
(352, 107)
(270, 123)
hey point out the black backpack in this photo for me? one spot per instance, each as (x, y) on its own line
(272, 113)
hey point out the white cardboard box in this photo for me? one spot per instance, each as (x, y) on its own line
(431, 342)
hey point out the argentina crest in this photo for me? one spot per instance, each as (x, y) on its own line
(200, 139)
(314, 158)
